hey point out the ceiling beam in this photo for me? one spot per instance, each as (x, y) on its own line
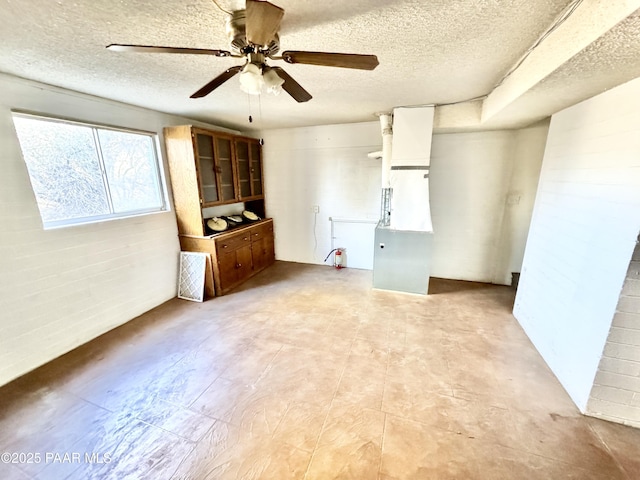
(590, 20)
(457, 117)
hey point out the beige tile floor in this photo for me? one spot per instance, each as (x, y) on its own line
(306, 372)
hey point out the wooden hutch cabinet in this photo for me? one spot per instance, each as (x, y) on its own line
(208, 169)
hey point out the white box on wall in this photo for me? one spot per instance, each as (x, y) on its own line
(412, 132)
(409, 177)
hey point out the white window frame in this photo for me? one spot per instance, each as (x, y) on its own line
(158, 168)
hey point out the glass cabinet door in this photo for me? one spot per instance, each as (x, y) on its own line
(207, 168)
(230, 168)
(224, 161)
(256, 168)
(244, 168)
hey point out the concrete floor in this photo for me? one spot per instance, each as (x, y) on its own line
(306, 372)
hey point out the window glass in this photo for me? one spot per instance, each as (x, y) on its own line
(130, 164)
(64, 169)
(82, 173)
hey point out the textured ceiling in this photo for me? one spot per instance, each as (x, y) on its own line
(611, 60)
(436, 51)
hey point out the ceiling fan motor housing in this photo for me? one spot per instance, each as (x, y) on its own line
(236, 31)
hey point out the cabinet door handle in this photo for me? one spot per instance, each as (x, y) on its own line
(238, 265)
(245, 238)
(225, 246)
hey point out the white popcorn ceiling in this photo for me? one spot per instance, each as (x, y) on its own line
(436, 51)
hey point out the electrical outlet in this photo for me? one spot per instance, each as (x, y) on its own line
(315, 209)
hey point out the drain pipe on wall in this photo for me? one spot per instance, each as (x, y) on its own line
(386, 122)
(386, 126)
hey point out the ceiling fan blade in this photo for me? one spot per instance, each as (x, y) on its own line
(150, 49)
(216, 82)
(262, 21)
(292, 87)
(344, 60)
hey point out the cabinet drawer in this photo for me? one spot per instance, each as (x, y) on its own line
(261, 231)
(233, 242)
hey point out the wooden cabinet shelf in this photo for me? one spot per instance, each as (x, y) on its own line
(235, 256)
(219, 160)
(208, 169)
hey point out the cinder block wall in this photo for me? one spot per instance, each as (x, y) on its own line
(616, 391)
(62, 287)
(583, 232)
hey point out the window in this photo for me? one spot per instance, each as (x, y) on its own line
(82, 173)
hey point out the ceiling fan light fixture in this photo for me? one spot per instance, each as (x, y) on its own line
(275, 91)
(272, 81)
(251, 80)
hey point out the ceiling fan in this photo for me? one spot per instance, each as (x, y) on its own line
(254, 36)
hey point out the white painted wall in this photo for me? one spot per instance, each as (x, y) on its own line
(325, 166)
(478, 235)
(615, 394)
(519, 200)
(61, 288)
(585, 222)
(472, 175)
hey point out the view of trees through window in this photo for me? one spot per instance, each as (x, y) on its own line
(84, 173)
